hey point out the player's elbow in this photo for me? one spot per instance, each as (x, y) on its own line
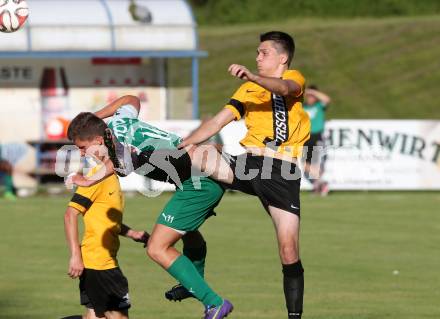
(290, 88)
(285, 90)
(67, 218)
(133, 100)
(216, 123)
(69, 215)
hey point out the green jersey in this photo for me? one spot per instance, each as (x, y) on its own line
(195, 197)
(316, 113)
(129, 130)
(147, 150)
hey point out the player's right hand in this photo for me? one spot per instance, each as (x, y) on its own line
(69, 181)
(76, 267)
(240, 71)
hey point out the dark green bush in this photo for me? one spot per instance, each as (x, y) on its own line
(214, 12)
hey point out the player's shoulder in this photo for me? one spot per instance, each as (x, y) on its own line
(293, 74)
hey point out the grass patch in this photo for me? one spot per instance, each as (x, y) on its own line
(351, 243)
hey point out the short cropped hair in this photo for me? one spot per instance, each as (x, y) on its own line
(86, 126)
(284, 41)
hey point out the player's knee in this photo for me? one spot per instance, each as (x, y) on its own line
(154, 251)
(288, 253)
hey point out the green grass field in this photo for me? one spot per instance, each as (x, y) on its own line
(351, 244)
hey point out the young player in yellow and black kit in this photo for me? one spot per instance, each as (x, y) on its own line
(185, 212)
(277, 128)
(103, 287)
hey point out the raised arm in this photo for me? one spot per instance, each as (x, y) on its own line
(76, 265)
(112, 107)
(324, 98)
(80, 180)
(275, 85)
(209, 128)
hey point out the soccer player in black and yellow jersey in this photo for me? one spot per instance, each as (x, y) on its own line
(277, 127)
(103, 287)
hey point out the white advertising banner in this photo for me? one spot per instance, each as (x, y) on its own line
(383, 154)
(372, 154)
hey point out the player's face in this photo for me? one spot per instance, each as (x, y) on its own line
(93, 147)
(269, 60)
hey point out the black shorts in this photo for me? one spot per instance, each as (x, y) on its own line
(275, 182)
(104, 290)
(312, 148)
(173, 166)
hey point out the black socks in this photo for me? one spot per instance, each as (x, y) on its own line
(293, 282)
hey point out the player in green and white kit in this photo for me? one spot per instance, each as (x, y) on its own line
(152, 152)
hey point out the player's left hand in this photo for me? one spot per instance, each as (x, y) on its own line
(240, 71)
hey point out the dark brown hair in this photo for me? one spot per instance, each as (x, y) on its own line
(86, 126)
(284, 41)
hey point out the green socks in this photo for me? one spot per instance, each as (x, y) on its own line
(186, 273)
(9, 185)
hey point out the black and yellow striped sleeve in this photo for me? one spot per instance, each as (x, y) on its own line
(80, 202)
(236, 107)
(83, 198)
(236, 103)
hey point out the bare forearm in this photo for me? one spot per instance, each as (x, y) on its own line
(71, 231)
(111, 108)
(137, 235)
(273, 84)
(278, 86)
(209, 128)
(324, 98)
(202, 133)
(104, 171)
(124, 230)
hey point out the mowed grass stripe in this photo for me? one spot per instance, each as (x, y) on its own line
(351, 244)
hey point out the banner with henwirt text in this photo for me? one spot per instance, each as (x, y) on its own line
(382, 154)
(372, 154)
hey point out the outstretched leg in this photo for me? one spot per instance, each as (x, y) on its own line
(209, 161)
